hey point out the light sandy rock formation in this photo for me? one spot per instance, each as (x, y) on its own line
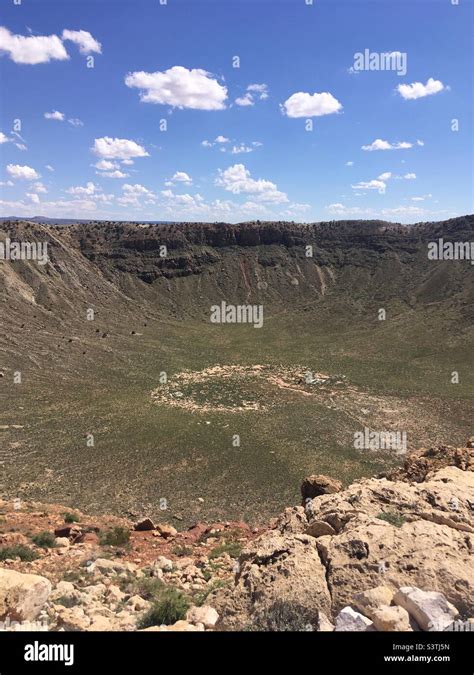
(22, 595)
(342, 547)
(205, 615)
(275, 569)
(430, 610)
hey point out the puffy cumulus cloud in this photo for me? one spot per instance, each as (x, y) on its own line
(133, 194)
(22, 172)
(113, 174)
(375, 184)
(54, 115)
(84, 40)
(222, 139)
(32, 49)
(118, 148)
(39, 188)
(237, 179)
(420, 90)
(303, 104)
(33, 197)
(180, 177)
(380, 144)
(180, 88)
(385, 176)
(252, 93)
(409, 176)
(89, 189)
(105, 165)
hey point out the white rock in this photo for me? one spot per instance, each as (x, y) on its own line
(206, 615)
(62, 542)
(22, 595)
(430, 609)
(349, 620)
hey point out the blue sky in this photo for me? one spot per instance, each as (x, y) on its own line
(297, 132)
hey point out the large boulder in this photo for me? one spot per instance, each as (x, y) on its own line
(22, 595)
(430, 610)
(317, 484)
(281, 580)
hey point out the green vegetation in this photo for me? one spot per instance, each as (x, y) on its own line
(25, 553)
(70, 517)
(233, 548)
(395, 519)
(44, 540)
(182, 551)
(169, 606)
(116, 536)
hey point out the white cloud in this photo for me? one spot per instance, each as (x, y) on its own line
(349, 163)
(421, 143)
(128, 162)
(49, 167)
(222, 139)
(39, 187)
(253, 92)
(180, 177)
(114, 174)
(34, 197)
(118, 148)
(409, 176)
(303, 104)
(420, 90)
(32, 49)
(55, 115)
(179, 87)
(6, 183)
(105, 165)
(245, 100)
(76, 122)
(22, 172)
(379, 144)
(89, 189)
(3, 138)
(237, 179)
(385, 176)
(379, 185)
(84, 40)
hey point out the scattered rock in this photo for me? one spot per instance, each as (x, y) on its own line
(430, 609)
(22, 595)
(166, 531)
(349, 620)
(316, 485)
(205, 615)
(391, 619)
(144, 525)
(368, 601)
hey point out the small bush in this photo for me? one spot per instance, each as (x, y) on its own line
(171, 606)
(182, 551)
(150, 588)
(395, 519)
(70, 518)
(284, 616)
(44, 540)
(233, 548)
(117, 536)
(25, 553)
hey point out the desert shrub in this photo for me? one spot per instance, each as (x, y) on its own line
(117, 536)
(395, 519)
(182, 551)
(25, 553)
(44, 540)
(233, 548)
(70, 518)
(285, 616)
(169, 607)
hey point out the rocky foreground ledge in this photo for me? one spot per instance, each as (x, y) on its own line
(392, 553)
